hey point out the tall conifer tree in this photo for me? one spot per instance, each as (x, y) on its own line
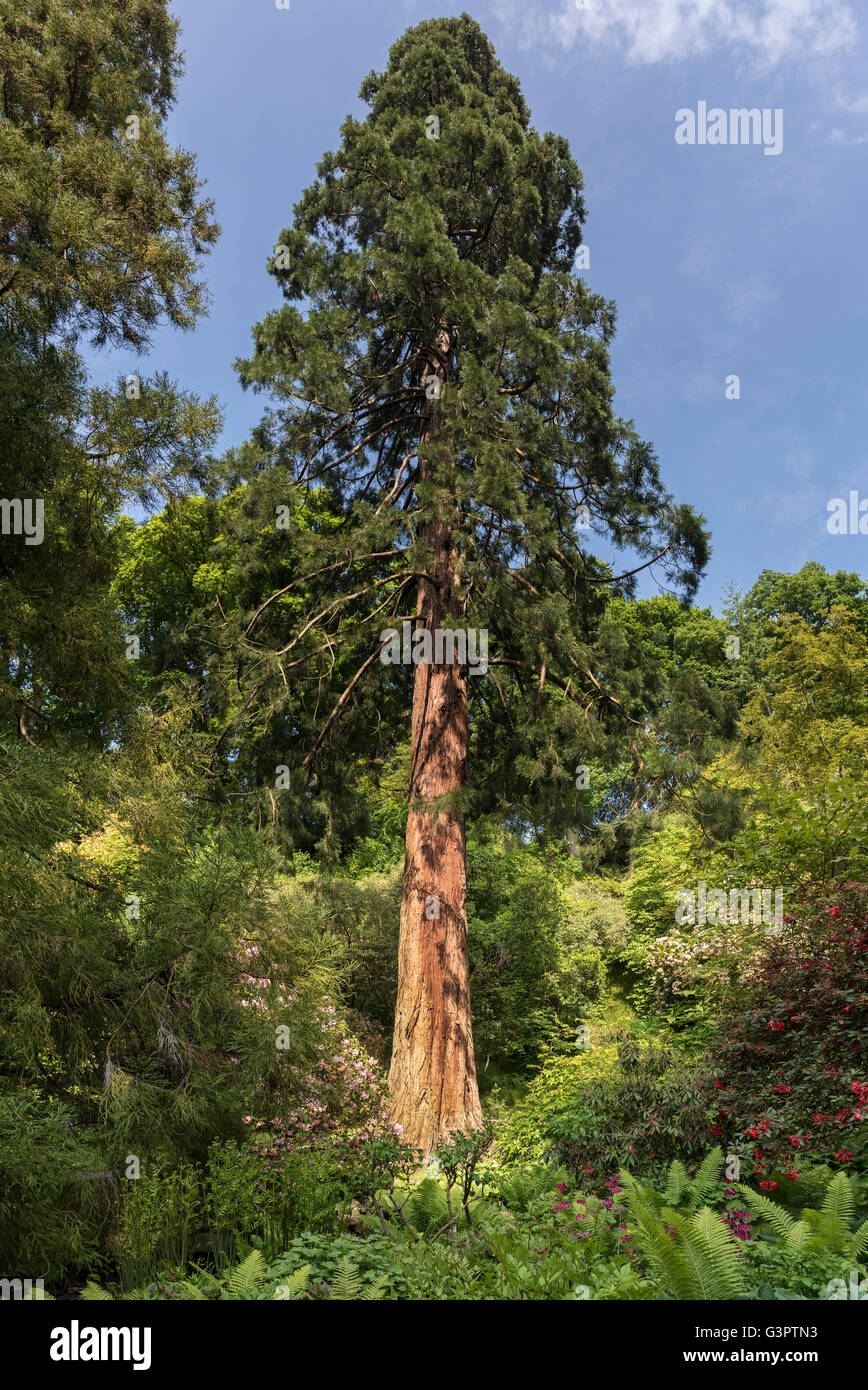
(441, 370)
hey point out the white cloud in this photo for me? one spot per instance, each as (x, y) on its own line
(857, 105)
(800, 461)
(748, 300)
(836, 136)
(803, 509)
(766, 32)
(702, 261)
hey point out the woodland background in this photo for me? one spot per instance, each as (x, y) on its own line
(202, 825)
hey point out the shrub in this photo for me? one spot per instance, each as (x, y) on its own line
(362, 917)
(334, 1100)
(803, 1272)
(790, 1067)
(628, 1105)
(593, 914)
(52, 1208)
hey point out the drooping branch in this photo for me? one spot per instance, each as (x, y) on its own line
(342, 701)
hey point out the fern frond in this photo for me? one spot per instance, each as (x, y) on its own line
(711, 1253)
(763, 1208)
(707, 1177)
(723, 1251)
(858, 1244)
(646, 1195)
(192, 1291)
(206, 1281)
(243, 1280)
(799, 1236)
(427, 1209)
(293, 1285)
(665, 1258)
(829, 1231)
(677, 1183)
(93, 1291)
(839, 1198)
(375, 1291)
(346, 1284)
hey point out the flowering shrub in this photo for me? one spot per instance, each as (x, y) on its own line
(791, 1067)
(336, 1102)
(332, 1093)
(706, 954)
(597, 1219)
(694, 968)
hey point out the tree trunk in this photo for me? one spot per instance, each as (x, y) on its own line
(433, 1072)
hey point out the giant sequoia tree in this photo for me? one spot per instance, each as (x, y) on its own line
(439, 369)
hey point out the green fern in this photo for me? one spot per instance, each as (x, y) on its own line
(838, 1200)
(707, 1178)
(701, 1261)
(828, 1230)
(799, 1236)
(93, 1291)
(666, 1259)
(193, 1291)
(347, 1284)
(205, 1282)
(824, 1230)
(645, 1194)
(243, 1281)
(765, 1209)
(427, 1210)
(677, 1183)
(859, 1244)
(711, 1252)
(294, 1284)
(680, 1189)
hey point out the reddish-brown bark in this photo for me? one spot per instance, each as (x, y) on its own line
(433, 1072)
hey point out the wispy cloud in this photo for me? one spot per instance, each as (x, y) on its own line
(747, 298)
(791, 509)
(836, 136)
(748, 301)
(858, 105)
(764, 32)
(801, 461)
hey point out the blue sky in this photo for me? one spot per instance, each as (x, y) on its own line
(722, 259)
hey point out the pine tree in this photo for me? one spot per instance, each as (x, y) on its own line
(439, 368)
(102, 225)
(101, 221)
